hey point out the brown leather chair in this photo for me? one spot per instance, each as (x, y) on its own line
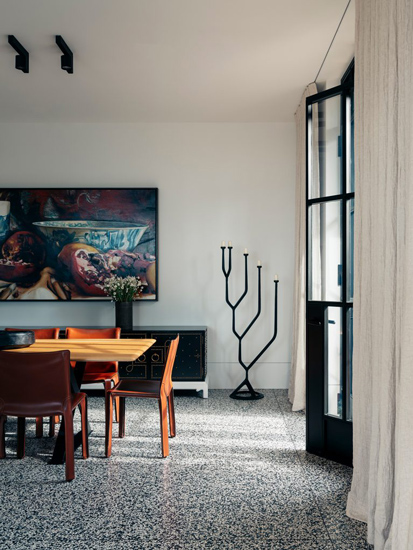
(42, 334)
(95, 372)
(162, 390)
(38, 384)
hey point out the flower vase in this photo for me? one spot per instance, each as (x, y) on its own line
(124, 315)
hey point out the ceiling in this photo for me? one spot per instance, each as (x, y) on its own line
(169, 60)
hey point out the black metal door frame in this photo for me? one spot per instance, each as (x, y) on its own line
(328, 436)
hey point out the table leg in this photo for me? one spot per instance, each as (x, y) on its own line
(59, 454)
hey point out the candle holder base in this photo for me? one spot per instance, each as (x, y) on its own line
(246, 395)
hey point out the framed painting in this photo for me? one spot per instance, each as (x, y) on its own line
(62, 244)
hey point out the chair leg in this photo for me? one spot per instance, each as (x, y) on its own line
(122, 416)
(108, 386)
(171, 407)
(108, 424)
(69, 446)
(2, 437)
(164, 425)
(39, 426)
(21, 437)
(52, 426)
(117, 399)
(85, 440)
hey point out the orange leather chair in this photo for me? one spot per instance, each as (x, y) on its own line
(42, 334)
(162, 390)
(38, 384)
(107, 372)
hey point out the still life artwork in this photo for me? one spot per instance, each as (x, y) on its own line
(63, 244)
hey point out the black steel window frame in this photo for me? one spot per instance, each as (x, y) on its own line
(346, 91)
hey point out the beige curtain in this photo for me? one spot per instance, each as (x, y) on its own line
(382, 488)
(296, 391)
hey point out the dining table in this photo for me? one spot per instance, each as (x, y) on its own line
(83, 351)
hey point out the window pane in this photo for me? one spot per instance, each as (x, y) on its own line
(350, 364)
(350, 142)
(334, 405)
(325, 149)
(325, 252)
(350, 250)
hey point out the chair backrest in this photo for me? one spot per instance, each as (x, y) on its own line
(34, 384)
(169, 365)
(40, 333)
(92, 333)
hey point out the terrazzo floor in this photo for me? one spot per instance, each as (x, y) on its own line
(237, 478)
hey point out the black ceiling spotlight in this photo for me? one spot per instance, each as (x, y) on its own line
(67, 57)
(22, 59)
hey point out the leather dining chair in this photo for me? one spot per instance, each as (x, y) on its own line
(162, 390)
(38, 384)
(95, 372)
(42, 334)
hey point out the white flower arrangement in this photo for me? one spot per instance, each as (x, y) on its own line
(123, 289)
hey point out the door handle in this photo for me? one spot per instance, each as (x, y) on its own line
(314, 323)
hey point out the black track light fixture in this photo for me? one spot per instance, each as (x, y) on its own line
(22, 57)
(67, 57)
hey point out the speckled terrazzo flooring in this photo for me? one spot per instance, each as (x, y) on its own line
(237, 478)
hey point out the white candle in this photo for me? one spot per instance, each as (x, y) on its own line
(276, 277)
(245, 251)
(223, 244)
(229, 243)
(259, 263)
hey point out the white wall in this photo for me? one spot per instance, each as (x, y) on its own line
(216, 182)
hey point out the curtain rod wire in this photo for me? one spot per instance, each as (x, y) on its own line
(332, 42)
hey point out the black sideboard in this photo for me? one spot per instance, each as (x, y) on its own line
(190, 369)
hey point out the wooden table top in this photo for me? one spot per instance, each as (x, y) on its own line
(94, 350)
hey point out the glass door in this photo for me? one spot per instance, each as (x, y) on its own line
(330, 251)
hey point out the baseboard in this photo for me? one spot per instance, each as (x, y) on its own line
(262, 375)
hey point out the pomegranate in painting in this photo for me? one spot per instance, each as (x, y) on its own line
(89, 268)
(23, 255)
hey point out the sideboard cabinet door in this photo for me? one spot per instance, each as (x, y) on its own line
(190, 362)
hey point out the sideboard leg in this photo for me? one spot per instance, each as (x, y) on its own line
(205, 388)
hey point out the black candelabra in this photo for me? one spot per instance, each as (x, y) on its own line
(248, 393)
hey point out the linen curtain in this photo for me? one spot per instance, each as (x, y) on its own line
(296, 392)
(382, 487)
